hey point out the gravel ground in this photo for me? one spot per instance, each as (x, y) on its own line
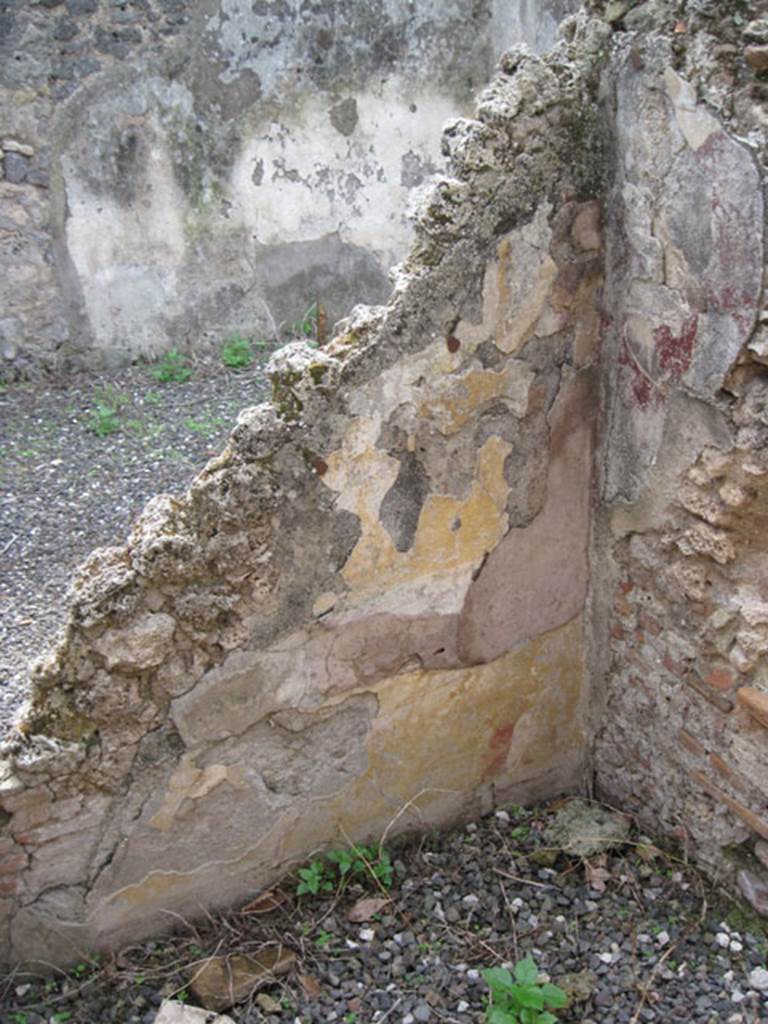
(647, 938)
(65, 488)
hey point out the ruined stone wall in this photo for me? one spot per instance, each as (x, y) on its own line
(679, 559)
(317, 641)
(176, 171)
(502, 538)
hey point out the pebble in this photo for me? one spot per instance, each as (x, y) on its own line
(758, 979)
(12, 146)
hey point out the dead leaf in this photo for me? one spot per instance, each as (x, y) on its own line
(312, 988)
(680, 27)
(597, 873)
(266, 903)
(223, 981)
(365, 910)
(355, 1004)
(268, 1004)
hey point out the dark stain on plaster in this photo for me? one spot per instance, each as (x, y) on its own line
(491, 357)
(402, 504)
(327, 270)
(345, 534)
(344, 116)
(415, 169)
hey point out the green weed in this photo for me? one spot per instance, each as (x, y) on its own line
(173, 368)
(314, 879)
(206, 426)
(519, 998)
(237, 353)
(104, 418)
(339, 866)
(307, 325)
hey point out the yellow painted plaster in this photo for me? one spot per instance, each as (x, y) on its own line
(440, 739)
(451, 533)
(516, 287)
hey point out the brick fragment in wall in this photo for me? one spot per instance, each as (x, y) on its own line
(752, 820)
(755, 702)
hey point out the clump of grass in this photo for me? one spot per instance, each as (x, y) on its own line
(104, 418)
(237, 352)
(173, 368)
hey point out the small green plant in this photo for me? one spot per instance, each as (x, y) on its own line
(173, 368)
(373, 861)
(314, 879)
(323, 939)
(207, 425)
(520, 998)
(306, 327)
(17, 1017)
(105, 414)
(339, 866)
(182, 996)
(237, 353)
(61, 1017)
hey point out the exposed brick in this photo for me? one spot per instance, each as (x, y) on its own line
(720, 678)
(626, 585)
(735, 778)
(675, 667)
(649, 623)
(755, 702)
(750, 819)
(720, 701)
(617, 632)
(690, 743)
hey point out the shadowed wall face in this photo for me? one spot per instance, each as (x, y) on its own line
(174, 173)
